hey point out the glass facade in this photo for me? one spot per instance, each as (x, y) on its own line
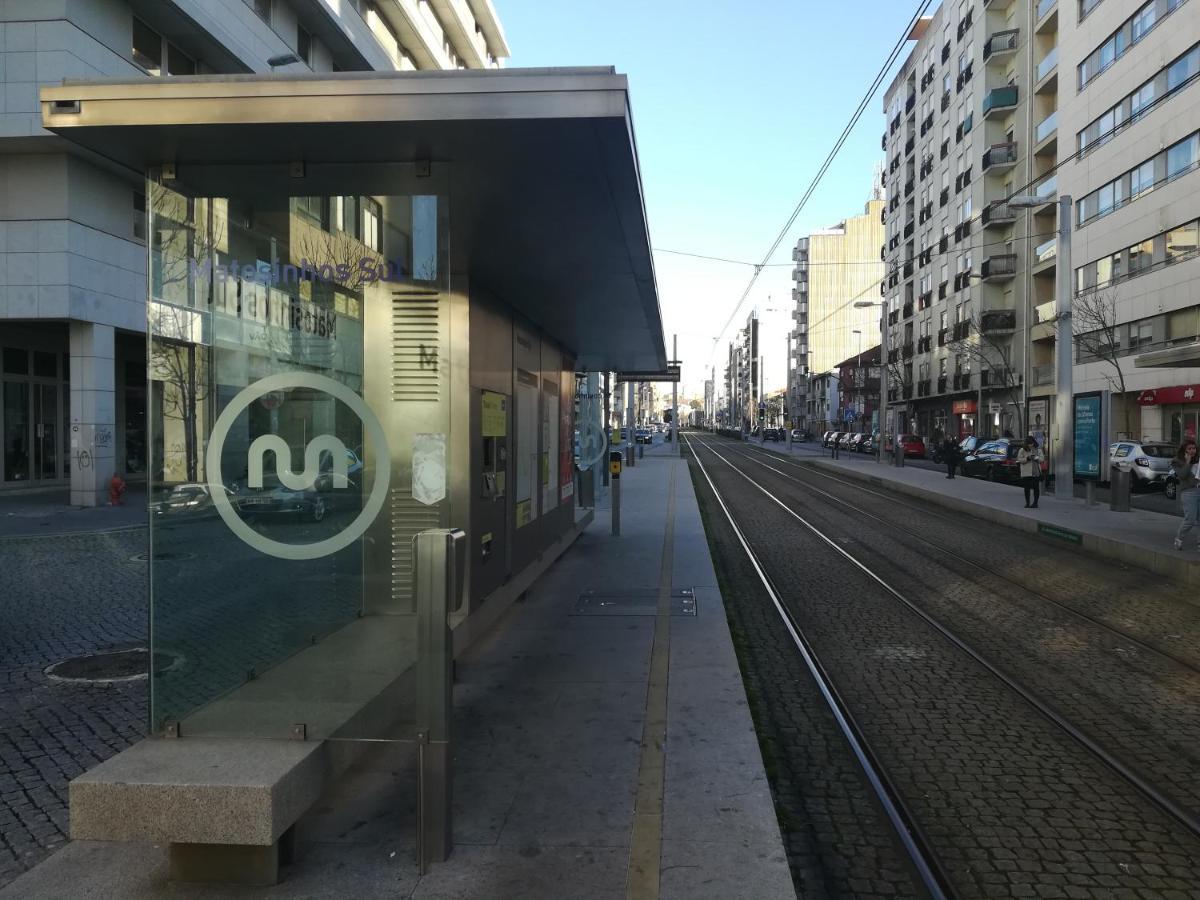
(298, 418)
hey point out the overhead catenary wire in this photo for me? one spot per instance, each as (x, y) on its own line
(867, 97)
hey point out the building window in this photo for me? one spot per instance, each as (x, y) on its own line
(178, 62)
(1182, 242)
(1183, 69)
(304, 45)
(1141, 257)
(1182, 157)
(147, 47)
(1143, 20)
(1130, 33)
(1141, 179)
(139, 215)
(371, 220)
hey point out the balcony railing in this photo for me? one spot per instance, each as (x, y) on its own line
(923, 388)
(999, 99)
(941, 384)
(1042, 375)
(1046, 127)
(962, 330)
(1046, 250)
(1044, 8)
(1044, 312)
(907, 351)
(1047, 189)
(907, 311)
(1001, 42)
(998, 321)
(1048, 64)
(998, 213)
(999, 155)
(1003, 265)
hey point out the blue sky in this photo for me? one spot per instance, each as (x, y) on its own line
(735, 107)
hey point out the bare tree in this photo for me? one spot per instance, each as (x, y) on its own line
(1096, 332)
(992, 352)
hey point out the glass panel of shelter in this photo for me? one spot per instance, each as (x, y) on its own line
(298, 335)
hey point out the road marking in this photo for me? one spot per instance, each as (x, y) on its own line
(645, 846)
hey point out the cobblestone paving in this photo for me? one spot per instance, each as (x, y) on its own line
(61, 597)
(1013, 806)
(838, 842)
(1141, 705)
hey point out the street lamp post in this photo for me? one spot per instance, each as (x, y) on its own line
(883, 371)
(1064, 387)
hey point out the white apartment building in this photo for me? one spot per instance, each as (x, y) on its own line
(73, 279)
(1082, 98)
(1130, 137)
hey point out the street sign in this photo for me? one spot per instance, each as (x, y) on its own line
(671, 374)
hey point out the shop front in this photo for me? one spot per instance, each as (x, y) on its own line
(370, 297)
(963, 417)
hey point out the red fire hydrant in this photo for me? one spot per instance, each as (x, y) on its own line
(116, 488)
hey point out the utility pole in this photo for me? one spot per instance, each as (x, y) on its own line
(607, 426)
(787, 395)
(675, 395)
(630, 387)
(1064, 387)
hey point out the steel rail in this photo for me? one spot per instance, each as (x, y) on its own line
(912, 839)
(1157, 797)
(1124, 635)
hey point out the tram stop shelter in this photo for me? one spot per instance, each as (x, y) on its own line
(369, 298)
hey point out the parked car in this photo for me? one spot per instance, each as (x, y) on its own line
(274, 499)
(1171, 484)
(643, 436)
(193, 501)
(855, 441)
(1150, 463)
(845, 439)
(869, 444)
(831, 438)
(799, 434)
(994, 460)
(913, 444)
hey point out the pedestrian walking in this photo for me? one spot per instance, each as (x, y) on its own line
(1187, 469)
(1029, 458)
(950, 456)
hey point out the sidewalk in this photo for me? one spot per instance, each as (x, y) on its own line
(1137, 538)
(49, 511)
(602, 742)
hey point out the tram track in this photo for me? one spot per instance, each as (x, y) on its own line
(896, 773)
(1186, 656)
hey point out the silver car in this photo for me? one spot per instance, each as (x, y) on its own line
(1149, 462)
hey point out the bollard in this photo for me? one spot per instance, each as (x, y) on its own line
(614, 471)
(898, 454)
(1119, 488)
(439, 567)
(1089, 492)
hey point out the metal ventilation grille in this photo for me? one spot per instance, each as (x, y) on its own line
(416, 346)
(408, 517)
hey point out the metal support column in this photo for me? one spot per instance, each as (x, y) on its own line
(675, 395)
(1064, 448)
(607, 424)
(439, 557)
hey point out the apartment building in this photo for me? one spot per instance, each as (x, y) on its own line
(1130, 137)
(835, 268)
(742, 376)
(73, 227)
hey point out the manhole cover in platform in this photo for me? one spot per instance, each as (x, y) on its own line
(633, 602)
(115, 665)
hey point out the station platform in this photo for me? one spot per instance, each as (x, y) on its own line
(1138, 538)
(603, 747)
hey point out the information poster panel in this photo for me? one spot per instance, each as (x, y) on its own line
(1090, 445)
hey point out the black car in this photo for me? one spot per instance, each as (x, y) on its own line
(994, 460)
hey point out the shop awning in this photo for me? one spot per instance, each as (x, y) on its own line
(1185, 356)
(548, 205)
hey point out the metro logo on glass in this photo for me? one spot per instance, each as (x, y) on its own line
(307, 478)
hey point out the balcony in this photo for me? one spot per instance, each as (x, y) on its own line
(1046, 17)
(945, 151)
(998, 321)
(910, 102)
(907, 392)
(906, 352)
(1001, 267)
(908, 270)
(1001, 44)
(1000, 157)
(962, 330)
(962, 179)
(999, 101)
(924, 300)
(963, 78)
(909, 186)
(909, 226)
(907, 311)
(962, 381)
(941, 384)
(1046, 77)
(1046, 190)
(964, 25)
(924, 344)
(1046, 135)
(942, 290)
(962, 231)
(945, 51)
(998, 215)
(943, 335)
(1042, 375)
(1045, 256)
(944, 197)
(945, 100)
(923, 388)
(943, 243)
(909, 145)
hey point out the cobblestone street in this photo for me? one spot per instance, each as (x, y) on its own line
(62, 597)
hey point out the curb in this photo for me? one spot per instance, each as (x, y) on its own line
(63, 534)
(1169, 565)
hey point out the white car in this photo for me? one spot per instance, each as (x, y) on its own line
(1149, 462)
